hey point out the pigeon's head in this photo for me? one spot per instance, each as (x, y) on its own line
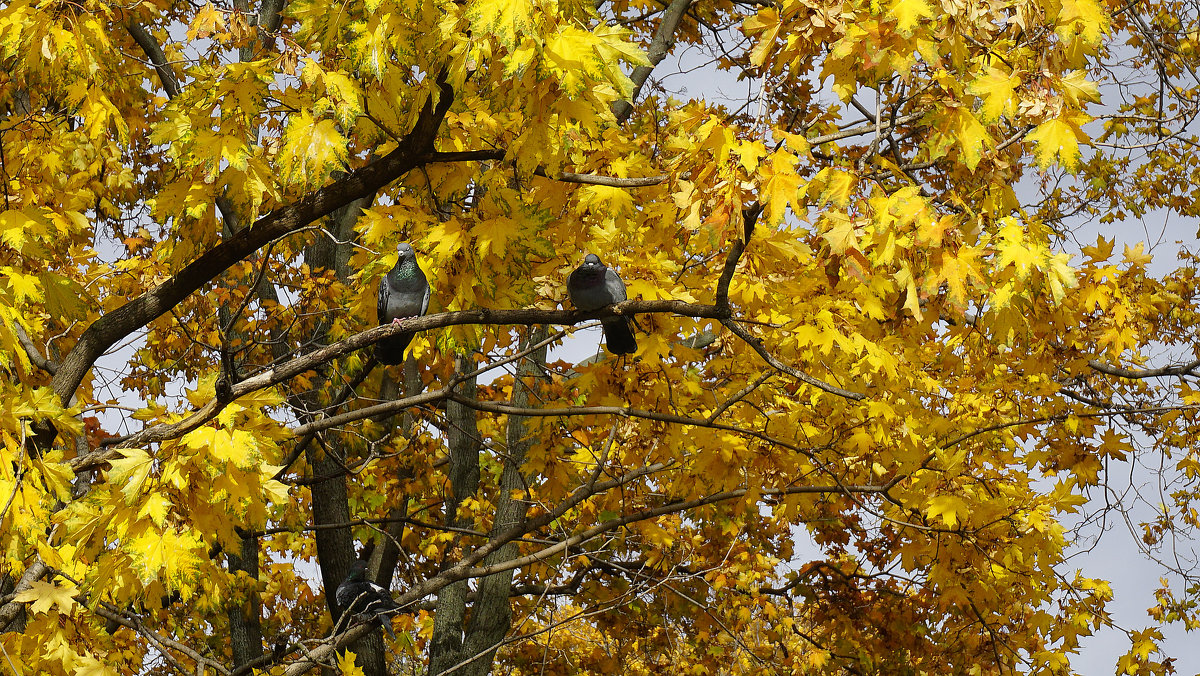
(358, 571)
(405, 252)
(592, 262)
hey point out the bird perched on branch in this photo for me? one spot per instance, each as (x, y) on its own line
(357, 595)
(592, 286)
(403, 293)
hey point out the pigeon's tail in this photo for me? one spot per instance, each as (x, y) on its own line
(386, 621)
(390, 351)
(618, 336)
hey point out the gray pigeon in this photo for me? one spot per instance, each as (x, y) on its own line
(357, 595)
(403, 293)
(592, 286)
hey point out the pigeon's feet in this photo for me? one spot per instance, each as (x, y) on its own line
(397, 320)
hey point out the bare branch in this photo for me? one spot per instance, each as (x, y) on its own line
(564, 176)
(757, 345)
(30, 349)
(663, 41)
(611, 181)
(158, 59)
(1117, 371)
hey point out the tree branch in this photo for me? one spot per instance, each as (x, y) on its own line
(10, 610)
(564, 176)
(663, 41)
(158, 59)
(30, 349)
(1117, 371)
(312, 360)
(757, 345)
(106, 331)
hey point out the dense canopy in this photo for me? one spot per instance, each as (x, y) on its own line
(887, 377)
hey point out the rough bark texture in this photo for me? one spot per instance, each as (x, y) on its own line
(387, 555)
(469, 650)
(335, 546)
(445, 647)
(245, 628)
(491, 616)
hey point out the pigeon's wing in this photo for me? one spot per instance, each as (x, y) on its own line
(385, 290)
(425, 302)
(614, 286)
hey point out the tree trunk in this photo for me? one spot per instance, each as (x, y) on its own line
(245, 627)
(471, 653)
(445, 647)
(335, 546)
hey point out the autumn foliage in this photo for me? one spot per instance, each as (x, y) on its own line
(886, 368)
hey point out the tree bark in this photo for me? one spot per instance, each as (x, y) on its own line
(446, 644)
(335, 546)
(245, 627)
(491, 616)
(471, 652)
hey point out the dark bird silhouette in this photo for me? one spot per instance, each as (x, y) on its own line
(357, 595)
(592, 286)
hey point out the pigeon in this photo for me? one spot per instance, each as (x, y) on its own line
(403, 293)
(357, 595)
(592, 286)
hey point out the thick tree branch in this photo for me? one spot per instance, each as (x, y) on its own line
(10, 610)
(1137, 374)
(660, 45)
(35, 357)
(158, 59)
(112, 327)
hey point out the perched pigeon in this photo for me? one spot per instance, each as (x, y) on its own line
(592, 286)
(403, 293)
(357, 595)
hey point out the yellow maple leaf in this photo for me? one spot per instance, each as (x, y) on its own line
(170, 556)
(996, 89)
(1014, 251)
(780, 184)
(841, 233)
(207, 21)
(86, 665)
(908, 13)
(1076, 88)
(1059, 275)
(1059, 137)
(1136, 255)
(311, 149)
(1083, 18)
(504, 19)
(971, 136)
(346, 665)
(130, 472)
(948, 508)
(24, 287)
(44, 595)
(766, 25)
(1101, 250)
